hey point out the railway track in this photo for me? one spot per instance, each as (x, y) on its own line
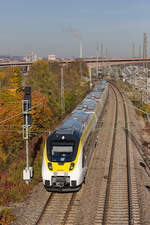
(118, 196)
(59, 209)
(64, 208)
(117, 202)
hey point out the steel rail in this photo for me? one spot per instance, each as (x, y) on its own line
(69, 208)
(44, 208)
(111, 164)
(127, 157)
(130, 213)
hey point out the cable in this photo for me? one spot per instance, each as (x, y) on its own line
(11, 131)
(20, 131)
(12, 117)
(14, 125)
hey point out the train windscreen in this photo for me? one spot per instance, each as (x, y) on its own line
(62, 153)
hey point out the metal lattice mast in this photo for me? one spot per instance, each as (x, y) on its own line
(62, 92)
(27, 122)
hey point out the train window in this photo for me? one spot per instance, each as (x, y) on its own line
(58, 147)
(62, 153)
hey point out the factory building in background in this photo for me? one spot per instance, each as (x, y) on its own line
(51, 57)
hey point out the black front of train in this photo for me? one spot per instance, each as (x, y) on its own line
(62, 147)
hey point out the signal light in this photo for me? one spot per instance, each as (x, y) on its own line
(27, 107)
(27, 101)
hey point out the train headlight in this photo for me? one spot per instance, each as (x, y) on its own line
(71, 166)
(50, 166)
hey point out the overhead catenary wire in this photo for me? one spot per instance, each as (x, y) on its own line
(14, 116)
(20, 131)
(14, 125)
(45, 131)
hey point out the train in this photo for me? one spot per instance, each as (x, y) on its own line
(66, 155)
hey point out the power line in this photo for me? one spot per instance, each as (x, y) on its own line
(14, 125)
(20, 131)
(12, 117)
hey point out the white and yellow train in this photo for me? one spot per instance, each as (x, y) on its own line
(65, 156)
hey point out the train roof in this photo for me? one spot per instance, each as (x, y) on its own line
(77, 115)
(77, 120)
(69, 126)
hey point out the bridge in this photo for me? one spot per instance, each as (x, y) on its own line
(25, 66)
(90, 62)
(107, 61)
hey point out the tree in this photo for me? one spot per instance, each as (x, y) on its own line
(46, 78)
(11, 78)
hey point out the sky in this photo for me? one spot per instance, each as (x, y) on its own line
(48, 27)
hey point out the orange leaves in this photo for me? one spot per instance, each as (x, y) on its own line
(10, 125)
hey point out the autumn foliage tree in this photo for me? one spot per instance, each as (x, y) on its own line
(46, 77)
(11, 79)
(45, 80)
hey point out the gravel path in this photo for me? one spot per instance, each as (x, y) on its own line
(27, 212)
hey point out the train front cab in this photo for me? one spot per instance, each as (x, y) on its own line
(62, 164)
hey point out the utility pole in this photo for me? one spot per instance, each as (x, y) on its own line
(133, 50)
(109, 53)
(81, 55)
(97, 55)
(106, 52)
(145, 66)
(145, 46)
(140, 51)
(27, 122)
(90, 76)
(102, 50)
(62, 92)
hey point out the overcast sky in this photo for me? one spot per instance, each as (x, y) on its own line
(46, 26)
